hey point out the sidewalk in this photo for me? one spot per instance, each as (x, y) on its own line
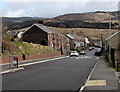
(102, 79)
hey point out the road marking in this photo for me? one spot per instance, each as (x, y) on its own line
(42, 61)
(97, 57)
(96, 83)
(81, 89)
(82, 57)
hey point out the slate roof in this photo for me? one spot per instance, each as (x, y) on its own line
(44, 28)
(112, 35)
(74, 37)
(69, 36)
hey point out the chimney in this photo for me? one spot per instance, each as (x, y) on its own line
(40, 22)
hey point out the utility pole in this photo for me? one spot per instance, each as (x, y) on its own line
(109, 36)
(102, 38)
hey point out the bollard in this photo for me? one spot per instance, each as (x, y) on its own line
(16, 62)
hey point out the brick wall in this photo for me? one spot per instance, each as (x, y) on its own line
(31, 57)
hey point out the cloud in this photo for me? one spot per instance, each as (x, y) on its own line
(18, 5)
(17, 13)
(53, 9)
(60, 0)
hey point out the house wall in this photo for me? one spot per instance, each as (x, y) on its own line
(53, 40)
(35, 35)
(113, 44)
(117, 55)
(72, 44)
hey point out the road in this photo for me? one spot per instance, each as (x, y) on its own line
(68, 73)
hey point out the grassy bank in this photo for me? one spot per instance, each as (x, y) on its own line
(30, 48)
(18, 48)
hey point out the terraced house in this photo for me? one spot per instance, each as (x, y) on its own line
(76, 41)
(112, 47)
(40, 34)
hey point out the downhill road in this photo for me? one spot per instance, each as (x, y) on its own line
(68, 73)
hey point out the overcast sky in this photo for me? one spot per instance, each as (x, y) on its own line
(49, 8)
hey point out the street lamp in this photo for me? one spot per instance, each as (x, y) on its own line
(109, 34)
(102, 39)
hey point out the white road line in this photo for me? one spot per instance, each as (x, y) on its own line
(83, 57)
(82, 88)
(97, 57)
(42, 61)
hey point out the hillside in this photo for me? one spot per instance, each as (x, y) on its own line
(90, 16)
(92, 34)
(99, 20)
(18, 22)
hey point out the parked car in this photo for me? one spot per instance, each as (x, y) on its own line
(98, 52)
(74, 53)
(82, 52)
(91, 48)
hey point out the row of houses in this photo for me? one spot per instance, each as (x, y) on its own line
(112, 47)
(40, 34)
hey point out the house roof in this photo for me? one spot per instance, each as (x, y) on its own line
(44, 28)
(69, 36)
(112, 35)
(75, 37)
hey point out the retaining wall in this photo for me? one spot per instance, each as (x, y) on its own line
(31, 57)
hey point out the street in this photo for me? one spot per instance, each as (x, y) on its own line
(68, 73)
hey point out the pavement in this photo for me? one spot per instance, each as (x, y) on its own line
(102, 78)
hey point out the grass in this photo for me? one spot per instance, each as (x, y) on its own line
(118, 68)
(30, 48)
(19, 48)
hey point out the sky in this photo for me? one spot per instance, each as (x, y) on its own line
(53, 8)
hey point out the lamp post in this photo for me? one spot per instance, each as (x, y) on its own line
(109, 35)
(101, 39)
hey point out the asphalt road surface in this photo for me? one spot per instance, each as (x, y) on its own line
(68, 73)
